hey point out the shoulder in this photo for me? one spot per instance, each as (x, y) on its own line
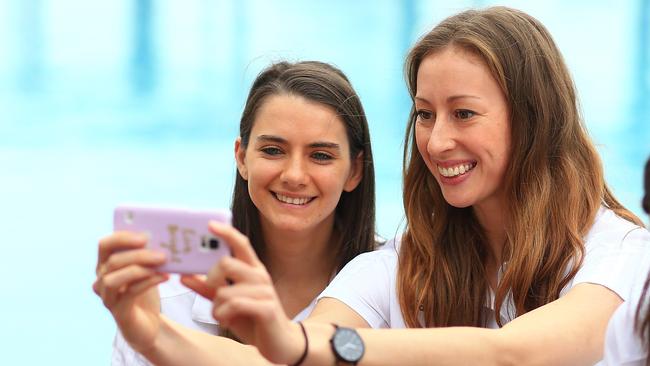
(367, 285)
(369, 266)
(368, 270)
(386, 252)
(613, 230)
(617, 255)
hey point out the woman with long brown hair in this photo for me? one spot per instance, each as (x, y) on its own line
(515, 251)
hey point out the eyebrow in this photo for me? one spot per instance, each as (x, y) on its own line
(449, 99)
(280, 140)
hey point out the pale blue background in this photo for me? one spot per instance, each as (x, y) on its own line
(121, 100)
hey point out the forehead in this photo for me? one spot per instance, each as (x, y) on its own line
(454, 70)
(298, 119)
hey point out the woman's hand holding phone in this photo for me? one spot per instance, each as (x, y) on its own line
(126, 282)
(245, 301)
(147, 243)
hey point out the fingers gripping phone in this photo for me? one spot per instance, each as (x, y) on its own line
(181, 233)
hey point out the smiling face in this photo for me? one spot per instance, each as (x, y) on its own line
(297, 163)
(462, 129)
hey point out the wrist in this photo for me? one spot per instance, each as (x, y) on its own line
(320, 350)
(298, 345)
(305, 348)
(166, 338)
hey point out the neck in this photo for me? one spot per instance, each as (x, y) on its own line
(301, 264)
(491, 217)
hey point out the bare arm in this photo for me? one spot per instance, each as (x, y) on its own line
(568, 331)
(330, 310)
(178, 345)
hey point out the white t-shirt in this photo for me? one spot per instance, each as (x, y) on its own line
(617, 256)
(185, 307)
(623, 344)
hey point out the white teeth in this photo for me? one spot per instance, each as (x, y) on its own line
(455, 171)
(292, 200)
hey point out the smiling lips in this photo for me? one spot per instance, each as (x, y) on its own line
(456, 170)
(298, 201)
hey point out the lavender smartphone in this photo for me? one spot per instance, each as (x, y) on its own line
(182, 234)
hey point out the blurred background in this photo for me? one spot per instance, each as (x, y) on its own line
(104, 102)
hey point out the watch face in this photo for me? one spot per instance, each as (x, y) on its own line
(347, 344)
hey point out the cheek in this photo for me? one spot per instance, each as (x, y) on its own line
(259, 175)
(422, 136)
(506, 147)
(330, 182)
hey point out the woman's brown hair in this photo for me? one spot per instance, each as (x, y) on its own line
(554, 182)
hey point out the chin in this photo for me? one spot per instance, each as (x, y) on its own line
(458, 202)
(292, 226)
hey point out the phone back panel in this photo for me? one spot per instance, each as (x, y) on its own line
(181, 233)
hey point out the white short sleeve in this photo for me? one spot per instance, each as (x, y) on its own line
(617, 255)
(623, 346)
(177, 303)
(124, 355)
(367, 284)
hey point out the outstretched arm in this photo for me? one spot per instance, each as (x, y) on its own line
(177, 345)
(568, 331)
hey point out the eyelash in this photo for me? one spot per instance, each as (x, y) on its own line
(457, 113)
(322, 157)
(272, 151)
(318, 156)
(424, 115)
(427, 115)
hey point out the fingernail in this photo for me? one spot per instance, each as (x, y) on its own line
(215, 224)
(158, 255)
(142, 237)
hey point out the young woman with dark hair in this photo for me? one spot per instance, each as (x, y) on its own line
(304, 195)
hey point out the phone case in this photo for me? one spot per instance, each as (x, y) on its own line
(181, 233)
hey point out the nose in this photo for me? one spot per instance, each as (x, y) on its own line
(294, 173)
(442, 137)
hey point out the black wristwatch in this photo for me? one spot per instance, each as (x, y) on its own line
(347, 345)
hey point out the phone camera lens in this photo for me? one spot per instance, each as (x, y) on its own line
(209, 243)
(214, 243)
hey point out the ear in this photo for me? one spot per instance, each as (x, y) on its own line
(240, 157)
(356, 173)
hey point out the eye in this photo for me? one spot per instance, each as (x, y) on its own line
(321, 156)
(424, 115)
(271, 150)
(464, 114)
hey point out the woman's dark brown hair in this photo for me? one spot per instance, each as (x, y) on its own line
(324, 84)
